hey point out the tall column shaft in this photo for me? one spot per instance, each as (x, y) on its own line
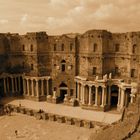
(78, 91)
(47, 87)
(28, 91)
(96, 96)
(32, 87)
(119, 97)
(37, 93)
(12, 85)
(19, 88)
(4, 80)
(42, 87)
(122, 97)
(83, 94)
(109, 95)
(24, 86)
(103, 96)
(90, 96)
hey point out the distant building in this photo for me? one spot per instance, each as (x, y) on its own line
(95, 70)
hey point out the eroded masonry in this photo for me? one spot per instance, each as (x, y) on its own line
(97, 70)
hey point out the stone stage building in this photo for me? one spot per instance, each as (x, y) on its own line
(97, 70)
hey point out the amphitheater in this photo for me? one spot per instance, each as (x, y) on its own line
(96, 70)
(88, 80)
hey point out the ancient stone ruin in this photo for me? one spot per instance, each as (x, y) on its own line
(96, 70)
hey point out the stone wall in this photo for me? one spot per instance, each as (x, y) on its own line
(38, 54)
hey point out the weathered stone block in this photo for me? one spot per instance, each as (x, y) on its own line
(22, 110)
(78, 122)
(69, 121)
(29, 112)
(45, 116)
(60, 119)
(16, 109)
(38, 116)
(52, 117)
(87, 124)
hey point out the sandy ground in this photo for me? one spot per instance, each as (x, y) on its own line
(31, 129)
(76, 112)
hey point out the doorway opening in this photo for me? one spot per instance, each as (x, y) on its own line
(114, 96)
(63, 92)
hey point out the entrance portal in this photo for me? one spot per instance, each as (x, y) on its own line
(62, 94)
(63, 91)
(114, 95)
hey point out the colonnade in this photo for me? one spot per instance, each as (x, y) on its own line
(36, 86)
(98, 95)
(12, 84)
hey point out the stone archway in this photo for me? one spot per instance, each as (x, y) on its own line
(114, 95)
(63, 91)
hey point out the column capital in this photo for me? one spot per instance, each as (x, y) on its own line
(103, 86)
(123, 88)
(27, 79)
(90, 86)
(96, 86)
(83, 84)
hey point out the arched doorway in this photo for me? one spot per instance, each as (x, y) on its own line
(114, 95)
(63, 91)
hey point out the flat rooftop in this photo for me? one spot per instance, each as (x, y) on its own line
(60, 109)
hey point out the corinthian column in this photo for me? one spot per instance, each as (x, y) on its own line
(28, 92)
(32, 87)
(12, 85)
(19, 84)
(119, 97)
(122, 97)
(90, 96)
(37, 93)
(42, 87)
(96, 95)
(24, 86)
(4, 80)
(83, 94)
(78, 95)
(47, 87)
(103, 96)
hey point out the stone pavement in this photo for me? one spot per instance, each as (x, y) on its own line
(60, 109)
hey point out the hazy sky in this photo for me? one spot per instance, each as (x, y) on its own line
(63, 16)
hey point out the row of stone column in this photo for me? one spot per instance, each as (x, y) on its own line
(106, 95)
(12, 85)
(82, 94)
(32, 87)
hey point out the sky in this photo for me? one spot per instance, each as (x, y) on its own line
(69, 16)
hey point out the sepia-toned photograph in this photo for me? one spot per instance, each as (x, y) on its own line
(69, 70)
